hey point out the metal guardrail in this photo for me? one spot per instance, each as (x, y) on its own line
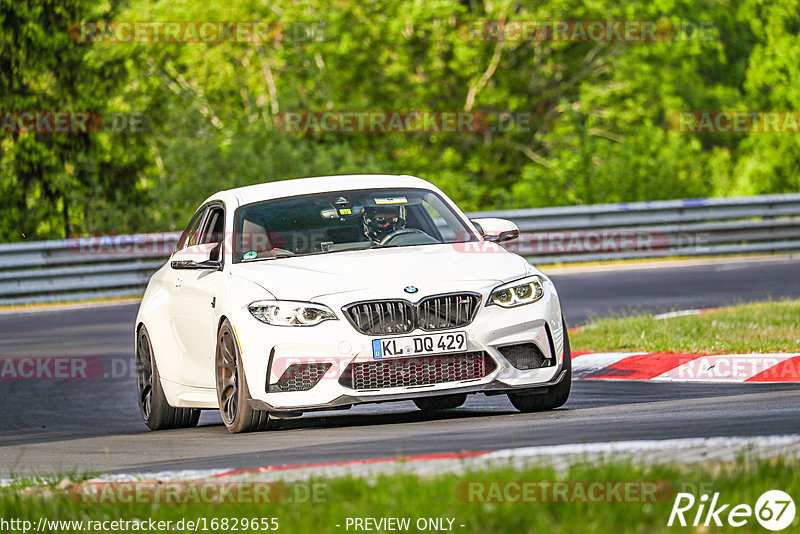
(115, 266)
(83, 268)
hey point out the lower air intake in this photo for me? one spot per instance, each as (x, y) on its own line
(525, 356)
(419, 371)
(299, 377)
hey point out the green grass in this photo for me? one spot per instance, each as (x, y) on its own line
(760, 327)
(49, 480)
(437, 497)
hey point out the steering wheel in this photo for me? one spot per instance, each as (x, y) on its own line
(397, 233)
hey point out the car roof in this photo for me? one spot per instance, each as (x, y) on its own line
(319, 184)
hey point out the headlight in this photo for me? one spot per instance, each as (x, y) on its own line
(288, 313)
(517, 293)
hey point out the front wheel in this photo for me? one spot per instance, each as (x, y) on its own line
(153, 405)
(232, 390)
(555, 396)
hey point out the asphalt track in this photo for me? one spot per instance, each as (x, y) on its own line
(55, 425)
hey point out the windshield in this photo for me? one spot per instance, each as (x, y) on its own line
(345, 220)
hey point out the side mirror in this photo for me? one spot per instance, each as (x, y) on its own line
(496, 230)
(202, 256)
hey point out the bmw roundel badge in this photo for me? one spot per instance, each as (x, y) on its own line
(410, 289)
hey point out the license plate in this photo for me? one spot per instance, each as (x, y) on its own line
(416, 345)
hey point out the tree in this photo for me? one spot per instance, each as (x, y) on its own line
(49, 180)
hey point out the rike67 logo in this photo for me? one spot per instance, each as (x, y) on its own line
(774, 510)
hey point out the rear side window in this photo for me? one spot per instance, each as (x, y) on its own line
(189, 236)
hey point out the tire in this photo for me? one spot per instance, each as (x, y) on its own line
(555, 396)
(232, 390)
(447, 402)
(153, 406)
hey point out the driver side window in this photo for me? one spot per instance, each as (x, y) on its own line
(213, 229)
(189, 236)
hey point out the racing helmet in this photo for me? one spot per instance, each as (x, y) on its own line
(380, 221)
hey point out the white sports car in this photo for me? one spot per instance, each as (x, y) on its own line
(321, 293)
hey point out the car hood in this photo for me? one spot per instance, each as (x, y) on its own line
(309, 277)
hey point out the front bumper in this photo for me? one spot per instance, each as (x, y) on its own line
(267, 351)
(347, 400)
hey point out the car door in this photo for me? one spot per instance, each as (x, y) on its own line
(178, 313)
(194, 305)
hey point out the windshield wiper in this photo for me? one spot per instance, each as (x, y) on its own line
(275, 257)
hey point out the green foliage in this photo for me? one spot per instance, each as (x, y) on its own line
(56, 183)
(597, 129)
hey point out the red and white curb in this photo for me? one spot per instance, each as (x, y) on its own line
(684, 450)
(356, 463)
(677, 367)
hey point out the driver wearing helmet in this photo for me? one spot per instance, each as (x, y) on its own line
(380, 221)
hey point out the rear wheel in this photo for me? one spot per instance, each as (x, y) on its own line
(232, 390)
(555, 396)
(447, 402)
(153, 405)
